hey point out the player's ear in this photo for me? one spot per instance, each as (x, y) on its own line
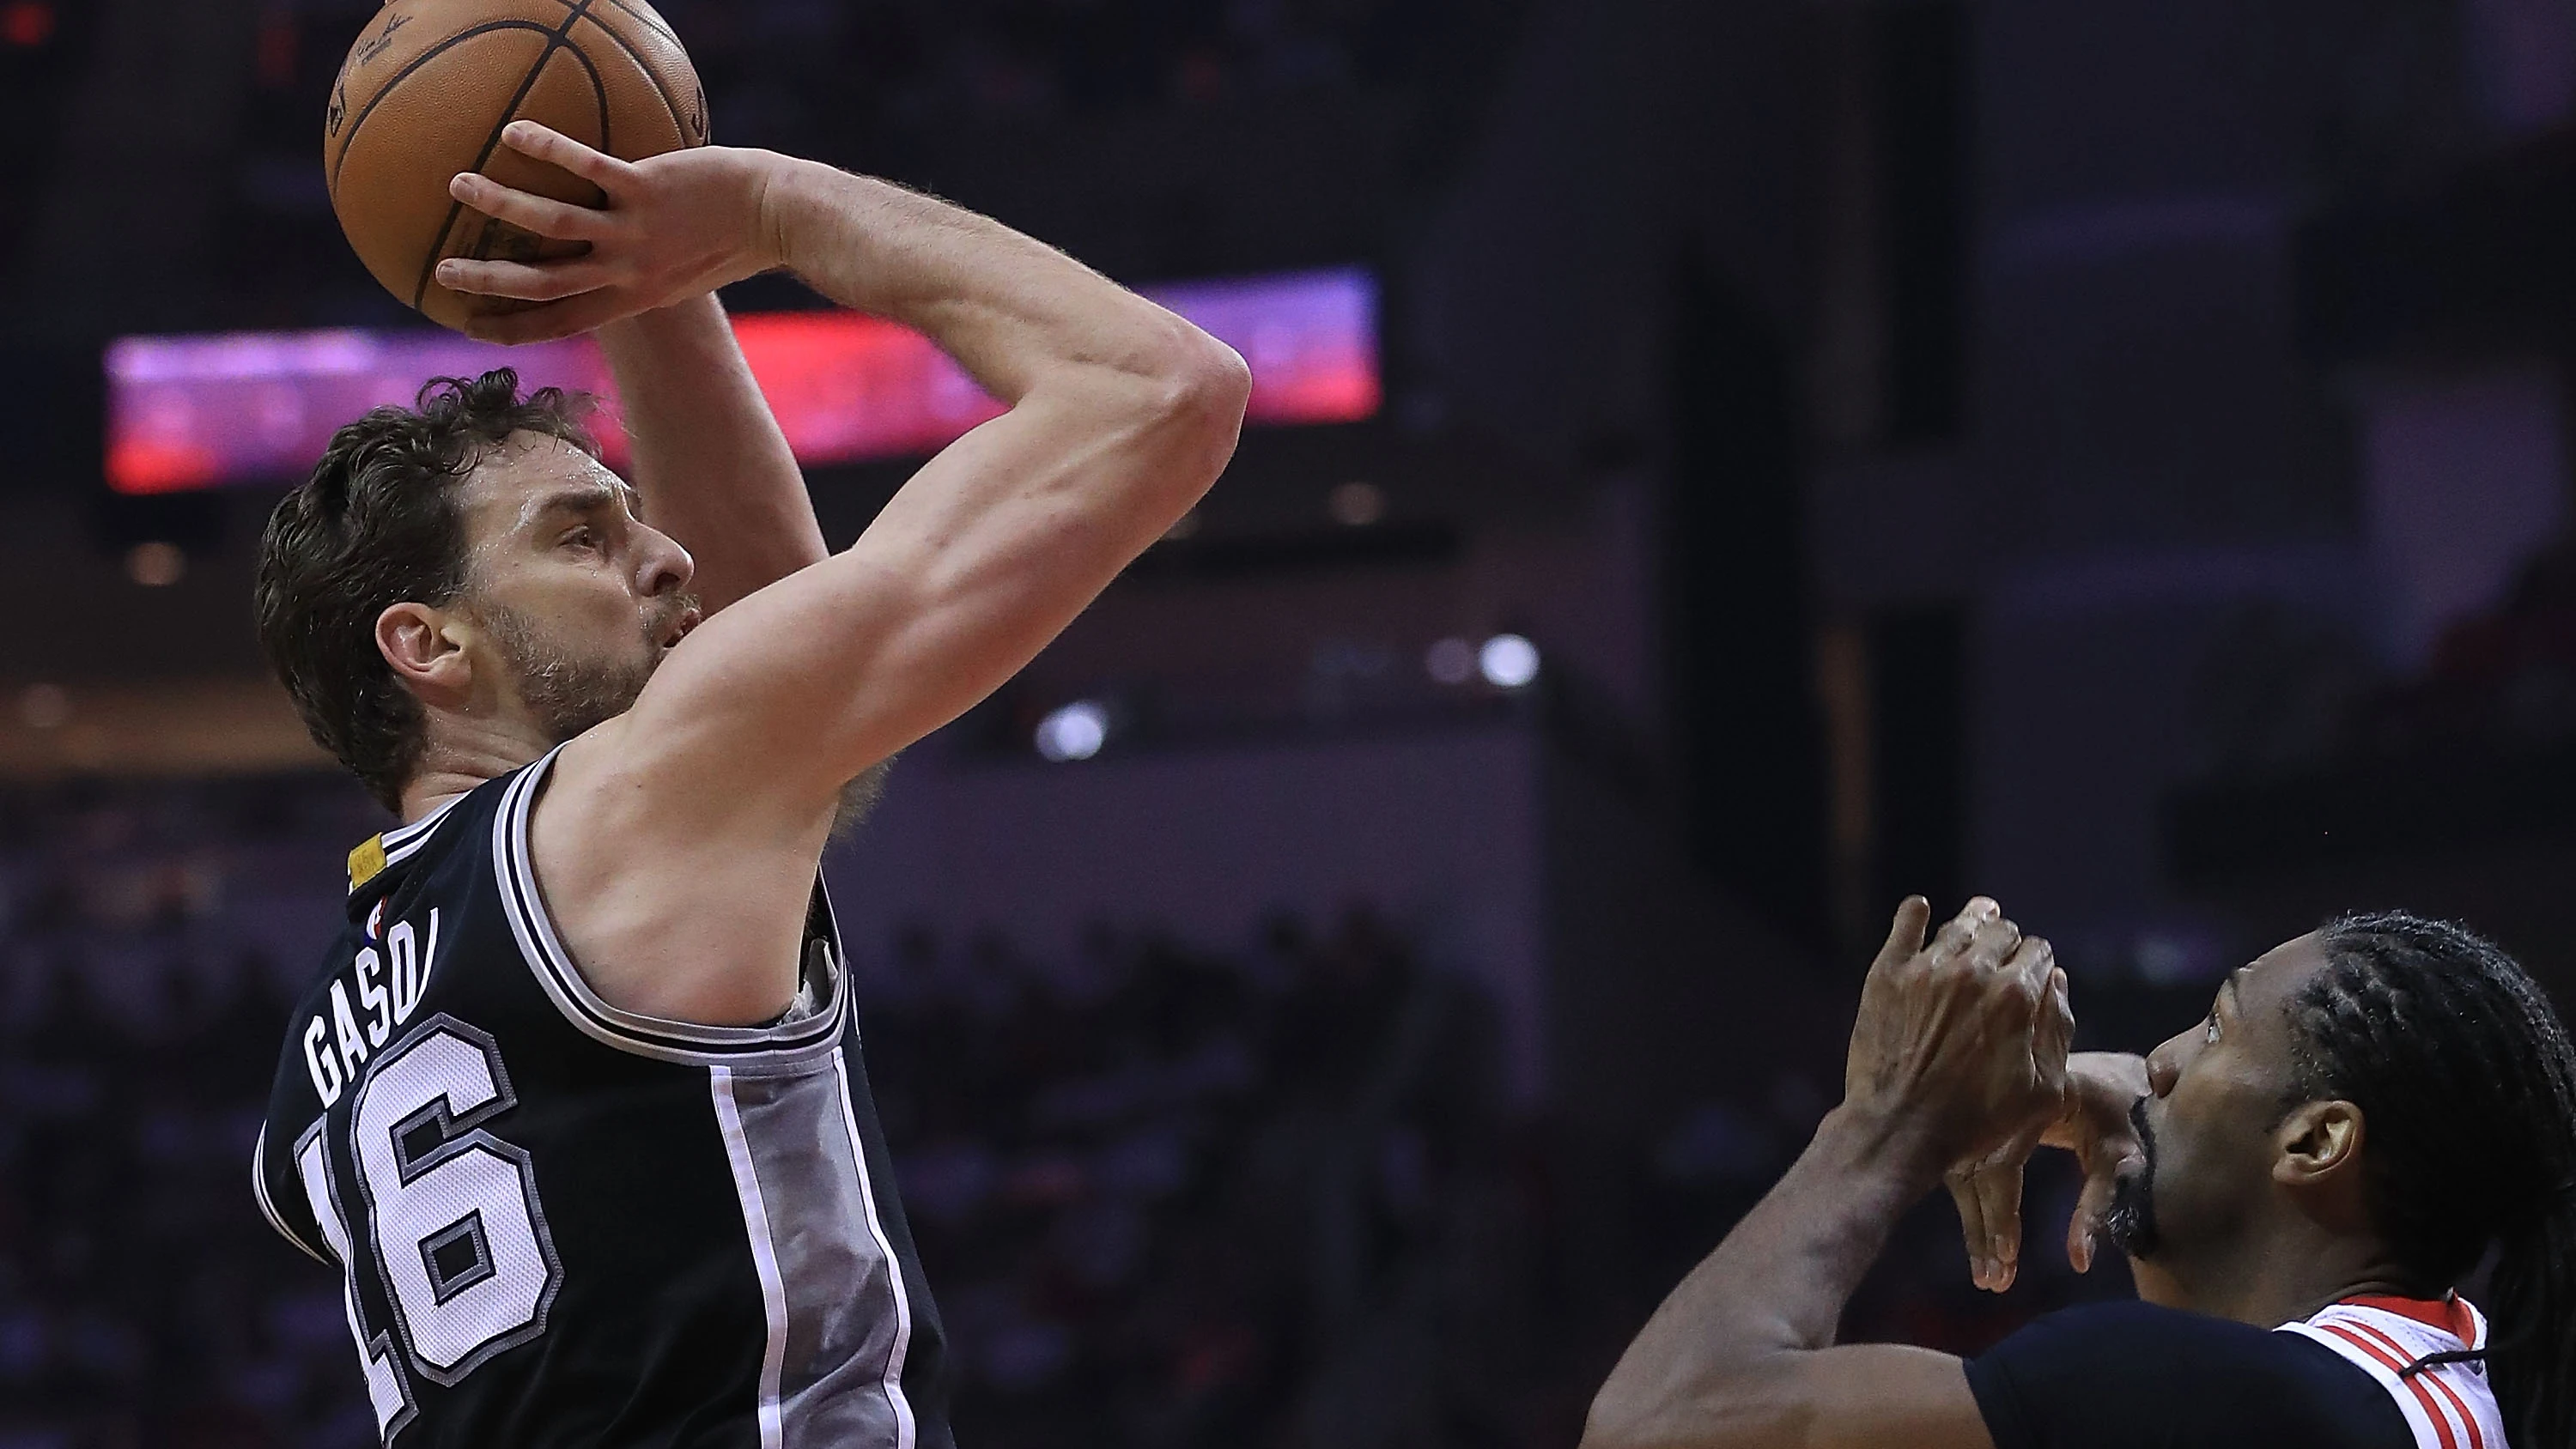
(426, 648)
(2318, 1145)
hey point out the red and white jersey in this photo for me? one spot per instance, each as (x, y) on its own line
(2450, 1405)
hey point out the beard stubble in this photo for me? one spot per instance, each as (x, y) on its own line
(569, 694)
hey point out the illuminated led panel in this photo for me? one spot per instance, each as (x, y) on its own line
(202, 412)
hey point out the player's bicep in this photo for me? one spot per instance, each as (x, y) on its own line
(1859, 1396)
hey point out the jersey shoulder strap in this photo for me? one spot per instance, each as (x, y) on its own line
(2447, 1405)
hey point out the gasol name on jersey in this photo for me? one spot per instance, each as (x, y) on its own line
(370, 1000)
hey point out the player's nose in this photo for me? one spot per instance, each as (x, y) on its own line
(2164, 1067)
(661, 565)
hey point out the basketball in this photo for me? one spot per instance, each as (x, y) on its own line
(427, 89)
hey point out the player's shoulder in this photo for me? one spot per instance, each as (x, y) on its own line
(2134, 1373)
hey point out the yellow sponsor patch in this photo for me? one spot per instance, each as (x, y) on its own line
(367, 861)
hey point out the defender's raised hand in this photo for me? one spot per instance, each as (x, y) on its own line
(675, 226)
(2101, 1088)
(1960, 1044)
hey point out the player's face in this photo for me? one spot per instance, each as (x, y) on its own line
(2217, 1090)
(578, 598)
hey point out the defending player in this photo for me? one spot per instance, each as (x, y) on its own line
(577, 1102)
(2365, 1112)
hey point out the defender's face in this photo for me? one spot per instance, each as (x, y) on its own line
(2216, 1092)
(577, 597)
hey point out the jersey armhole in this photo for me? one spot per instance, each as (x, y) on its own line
(268, 1205)
(798, 1040)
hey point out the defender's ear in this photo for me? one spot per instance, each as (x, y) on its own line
(426, 648)
(2318, 1145)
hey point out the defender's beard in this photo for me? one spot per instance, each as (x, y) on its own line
(2132, 1219)
(568, 694)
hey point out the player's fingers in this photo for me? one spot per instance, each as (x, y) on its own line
(547, 217)
(521, 281)
(1905, 933)
(1957, 932)
(1993, 944)
(2056, 1027)
(1998, 1189)
(2083, 1231)
(528, 138)
(1962, 1182)
(549, 323)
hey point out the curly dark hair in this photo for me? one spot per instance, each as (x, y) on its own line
(375, 525)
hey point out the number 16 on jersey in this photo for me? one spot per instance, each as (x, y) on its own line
(453, 1225)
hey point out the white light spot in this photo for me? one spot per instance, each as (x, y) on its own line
(1075, 732)
(1451, 661)
(1356, 504)
(155, 565)
(1508, 661)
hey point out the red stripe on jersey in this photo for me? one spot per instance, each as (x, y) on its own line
(2450, 1314)
(2433, 1377)
(2396, 1364)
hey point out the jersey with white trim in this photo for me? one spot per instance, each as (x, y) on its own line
(2448, 1405)
(559, 1223)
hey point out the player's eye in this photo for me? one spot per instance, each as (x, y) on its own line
(2209, 1032)
(582, 538)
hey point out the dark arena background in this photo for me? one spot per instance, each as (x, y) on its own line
(1714, 469)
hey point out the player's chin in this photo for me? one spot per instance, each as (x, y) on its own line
(2131, 1222)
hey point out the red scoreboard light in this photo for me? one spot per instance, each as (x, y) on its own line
(209, 412)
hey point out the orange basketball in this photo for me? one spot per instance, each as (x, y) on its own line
(428, 87)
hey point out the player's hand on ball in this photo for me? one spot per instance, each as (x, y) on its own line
(1960, 1043)
(2101, 1087)
(674, 226)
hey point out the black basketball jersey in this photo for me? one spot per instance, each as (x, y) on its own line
(559, 1223)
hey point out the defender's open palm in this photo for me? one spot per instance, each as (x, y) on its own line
(1963, 1038)
(675, 225)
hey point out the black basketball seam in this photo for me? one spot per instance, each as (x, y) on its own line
(598, 92)
(677, 123)
(555, 40)
(653, 23)
(415, 63)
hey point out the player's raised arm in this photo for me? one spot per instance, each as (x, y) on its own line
(724, 774)
(1959, 1044)
(1120, 415)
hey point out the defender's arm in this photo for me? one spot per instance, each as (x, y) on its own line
(1958, 1046)
(1741, 1356)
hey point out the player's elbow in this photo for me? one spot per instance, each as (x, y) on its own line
(1204, 387)
(1197, 397)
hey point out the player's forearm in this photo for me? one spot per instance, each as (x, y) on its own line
(714, 470)
(1776, 1285)
(1012, 311)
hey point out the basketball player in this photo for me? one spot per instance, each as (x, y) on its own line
(2300, 1181)
(576, 1103)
